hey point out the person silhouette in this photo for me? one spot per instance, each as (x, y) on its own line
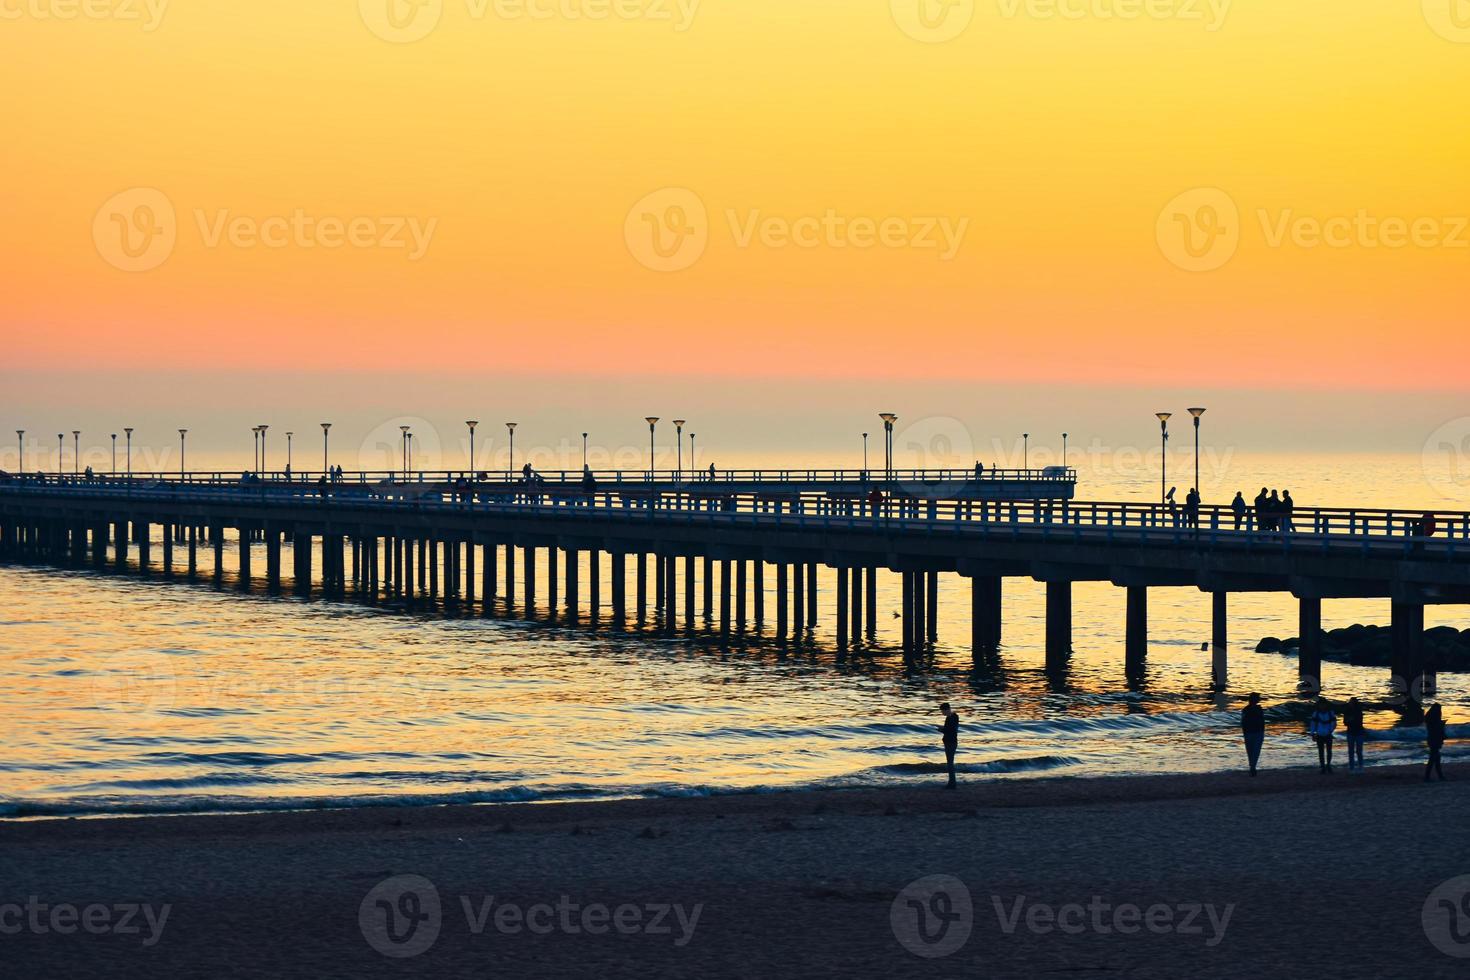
(1287, 506)
(950, 735)
(1237, 507)
(1321, 726)
(1434, 735)
(1253, 730)
(1353, 731)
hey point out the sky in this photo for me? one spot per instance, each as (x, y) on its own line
(786, 215)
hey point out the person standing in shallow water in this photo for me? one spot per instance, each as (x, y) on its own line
(950, 732)
(1352, 729)
(1321, 726)
(1434, 734)
(1253, 729)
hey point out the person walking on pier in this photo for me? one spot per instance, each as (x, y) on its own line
(1253, 729)
(1352, 730)
(1262, 505)
(950, 734)
(1287, 506)
(1321, 727)
(1434, 735)
(1191, 508)
(1237, 507)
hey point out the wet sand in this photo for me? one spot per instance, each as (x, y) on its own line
(1290, 873)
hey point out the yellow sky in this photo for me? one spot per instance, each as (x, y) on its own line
(840, 187)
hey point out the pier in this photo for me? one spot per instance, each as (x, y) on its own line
(474, 544)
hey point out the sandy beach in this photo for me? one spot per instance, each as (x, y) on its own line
(1161, 876)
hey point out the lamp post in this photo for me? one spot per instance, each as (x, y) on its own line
(1163, 418)
(1026, 451)
(472, 425)
(326, 428)
(693, 463)
(76, 451)
(113, 471)
(584, 450)
(182, 433)
(679, 446)
(888, 419)
(652, 421)
(1196, 412)
(255, 449)
(129, 433)
(403, 447)
(264, 466)
(410, 452)
(60, 455)
(865, 454)
(511, 427)
(289, 435)
(1064, 450)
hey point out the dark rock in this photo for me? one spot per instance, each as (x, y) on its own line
(1270, 644)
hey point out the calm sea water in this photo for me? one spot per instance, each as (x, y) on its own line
(122, 695)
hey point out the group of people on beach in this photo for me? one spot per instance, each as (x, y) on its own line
(1322, 727)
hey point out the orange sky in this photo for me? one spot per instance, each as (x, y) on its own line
(1054, 150)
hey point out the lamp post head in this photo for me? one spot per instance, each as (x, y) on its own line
(679, 423)
(128, 430)
(652, 420)
(1163, 417)
(76, 432)
(289, 434)
(1196, 412)
(511, 425)
(888, 419)
(472, 425)
(403, 429)
(325, 425)
(184, 432)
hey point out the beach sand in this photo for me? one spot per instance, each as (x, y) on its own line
(1319, 875)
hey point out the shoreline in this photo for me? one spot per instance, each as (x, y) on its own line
(992, 794)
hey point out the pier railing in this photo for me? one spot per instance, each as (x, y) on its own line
(1412, 531)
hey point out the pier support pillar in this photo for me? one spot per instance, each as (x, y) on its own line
(552, 574)
(594, 584)
(740, 595)
(1058, 622)
(1309, 654)
(842, 610)
(619, 573)
(872, 598)
(811, 596)
(920, 605)
(985, 612)
(907, 580)
(244, 544)
(689, 588)
(1135, 644)
(528, 563)
(782, 596)
(1219, 636)
(143, 533)
(855, 611)
(491, 571)
(931, 593)
(574, 568)
(709, 588)
(798, 599)
(725, 601)
(640, 586)
(758, 586)
(1407, 634)
(273, 559)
